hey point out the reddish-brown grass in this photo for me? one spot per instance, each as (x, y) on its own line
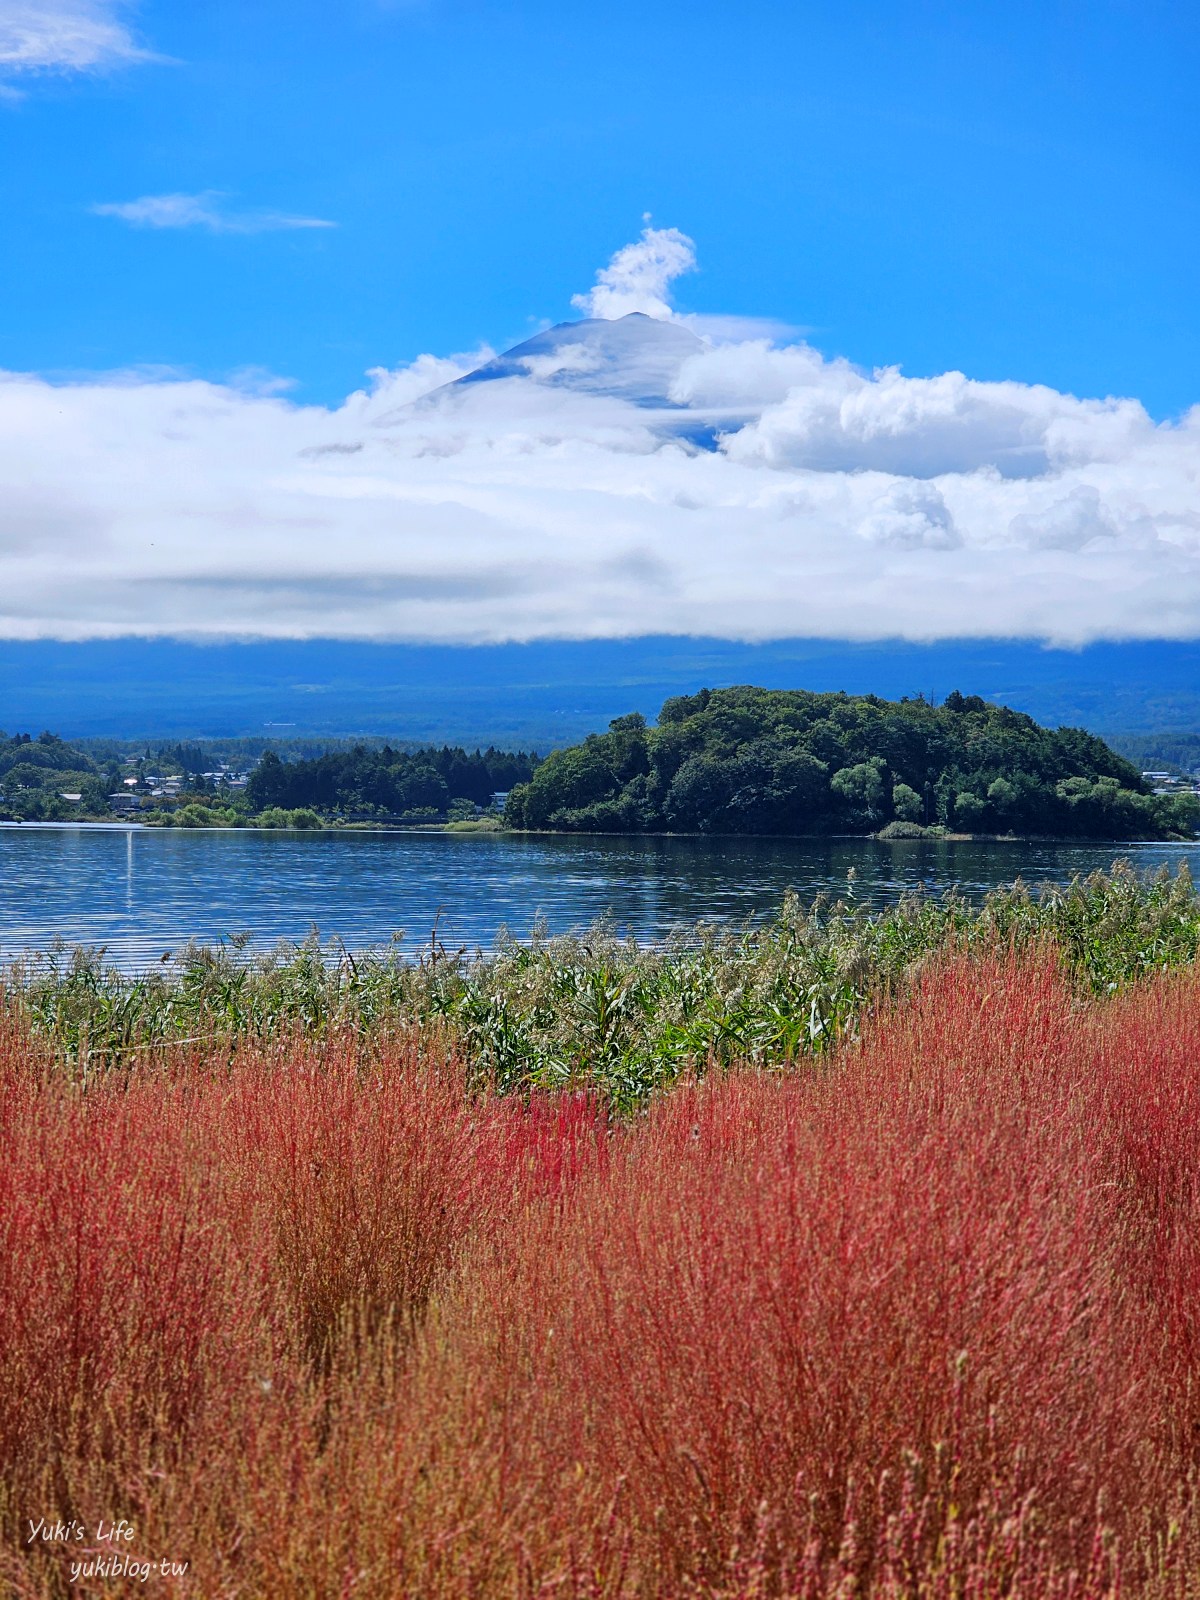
(919, 1322)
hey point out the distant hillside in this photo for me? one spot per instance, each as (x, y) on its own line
(769, 761)
(1179, 752)
(545, 694)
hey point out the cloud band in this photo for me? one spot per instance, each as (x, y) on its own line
(724, 486)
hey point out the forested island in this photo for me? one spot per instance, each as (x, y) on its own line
(725, 761)
(773, 761)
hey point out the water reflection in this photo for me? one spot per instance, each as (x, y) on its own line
(83, 883)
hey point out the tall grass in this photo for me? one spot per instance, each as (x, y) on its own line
(888, 1330)
(600, 1011)
(202, 1267)
(320, 1316)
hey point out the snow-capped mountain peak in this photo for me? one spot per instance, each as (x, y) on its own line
(634, 358)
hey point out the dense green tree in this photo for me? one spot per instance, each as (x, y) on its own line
(907, 805)
(1002, 798)
(699, 792)
(746, 760)
(969, 810)
(381, 782)
(45, 754)
(861, 789)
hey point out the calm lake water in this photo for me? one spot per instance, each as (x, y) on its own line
(141, 893)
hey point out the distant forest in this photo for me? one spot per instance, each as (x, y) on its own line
(769, 761)
(364, 782)
(34, 773)
(1173, 752)
(46, 779)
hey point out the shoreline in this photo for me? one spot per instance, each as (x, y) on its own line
(458, 831)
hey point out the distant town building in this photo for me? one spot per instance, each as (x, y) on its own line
(1171, 783)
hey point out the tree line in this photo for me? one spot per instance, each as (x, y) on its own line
(772, 761)
(34, 774)
(365, 782)
(358, 781)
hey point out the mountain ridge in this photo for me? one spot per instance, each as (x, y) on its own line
(634, 358)
(547, 693)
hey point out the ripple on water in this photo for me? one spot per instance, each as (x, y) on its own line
(142, 892)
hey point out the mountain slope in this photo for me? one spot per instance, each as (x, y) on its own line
(635, 358)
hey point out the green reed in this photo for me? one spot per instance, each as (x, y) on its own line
(595, 1009)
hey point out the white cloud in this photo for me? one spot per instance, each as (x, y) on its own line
(1071, 523)
(639, 276)
(202, 210)
(66, 36)
(911, 516)
(741, 489)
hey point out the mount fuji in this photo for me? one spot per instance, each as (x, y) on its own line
(635, 358)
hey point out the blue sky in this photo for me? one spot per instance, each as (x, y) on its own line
(251, 247)
(1007, 189)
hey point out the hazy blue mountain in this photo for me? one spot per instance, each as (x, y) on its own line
(547, 694)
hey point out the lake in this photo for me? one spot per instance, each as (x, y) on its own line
(143, 892)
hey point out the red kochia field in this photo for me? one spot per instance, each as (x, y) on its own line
(920, 1320)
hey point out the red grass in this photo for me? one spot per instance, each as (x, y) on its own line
(921, 1323)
